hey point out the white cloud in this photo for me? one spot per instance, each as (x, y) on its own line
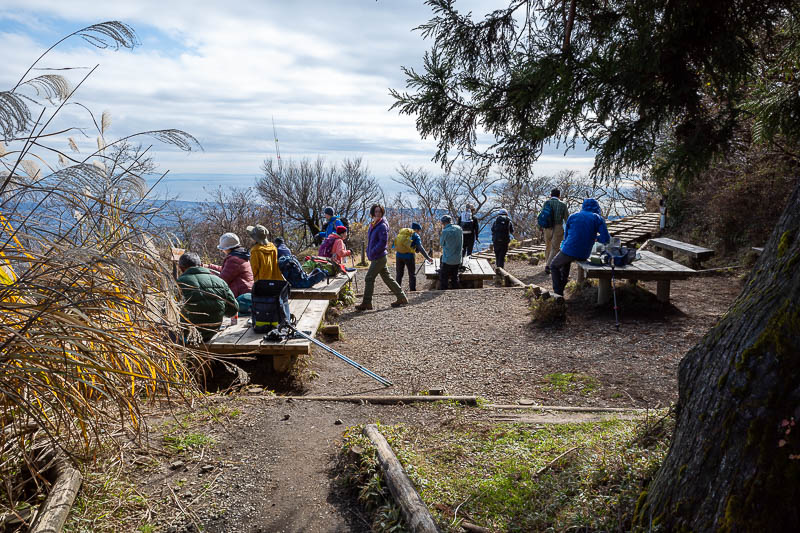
(221, 71)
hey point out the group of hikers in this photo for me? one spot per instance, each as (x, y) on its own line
(211, 292)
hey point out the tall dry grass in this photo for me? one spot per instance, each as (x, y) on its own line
(86, 303)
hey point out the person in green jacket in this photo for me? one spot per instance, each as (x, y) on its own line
(207, 298)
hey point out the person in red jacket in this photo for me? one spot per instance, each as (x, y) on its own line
(235, 268)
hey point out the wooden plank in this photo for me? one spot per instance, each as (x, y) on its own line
(323, 290)
(312, 317)
(694, 251)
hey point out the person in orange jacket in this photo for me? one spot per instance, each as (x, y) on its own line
(264, 260)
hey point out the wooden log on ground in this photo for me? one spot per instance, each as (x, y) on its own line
(414, 511)
(570, 408)
(509, 279)
(472, 528)
(54, 511)
(386, 400)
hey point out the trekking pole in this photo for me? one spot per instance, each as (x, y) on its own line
(614, 293)
(383, 381)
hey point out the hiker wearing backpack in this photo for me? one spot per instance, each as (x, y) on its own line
(551, 219)
(501, 236)
(583, 229)
(332, 221)
(235, 268)
(264, 260)
(451, 241)
(339, 251)
(377, 239)
(407, 244)
(469, 230)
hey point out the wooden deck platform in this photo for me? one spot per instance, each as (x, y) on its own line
(242, 340)
(635, 228)
(323, 290)
(651, 267)
(478, 271)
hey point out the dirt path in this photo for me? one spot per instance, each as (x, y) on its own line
(273, 465)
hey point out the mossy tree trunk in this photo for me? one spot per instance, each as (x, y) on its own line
(734, 462)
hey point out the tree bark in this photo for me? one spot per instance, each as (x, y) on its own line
(734, 461)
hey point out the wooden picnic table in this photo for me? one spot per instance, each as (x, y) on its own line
(478, 271)
(651, 267)
(323, 290)
(696, 254)
(242, 340)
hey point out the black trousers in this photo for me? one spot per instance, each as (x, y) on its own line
(469, 244)
(500, 251)
(448, 275)
(559, 271)
(402, 265)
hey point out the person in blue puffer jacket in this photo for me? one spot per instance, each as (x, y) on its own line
(582, 230)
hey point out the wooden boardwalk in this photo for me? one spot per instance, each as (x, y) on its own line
(242, 340)
(323, 290)
(651, 267)
(635, 228)
(478, 271)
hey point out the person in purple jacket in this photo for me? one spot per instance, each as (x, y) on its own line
(377, 238)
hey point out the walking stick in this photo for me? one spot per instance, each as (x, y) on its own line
(614, 293)
(355, 276)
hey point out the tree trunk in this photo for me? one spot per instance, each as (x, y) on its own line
(734, 461)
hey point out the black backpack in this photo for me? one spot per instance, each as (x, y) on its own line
(266, 308)
(501, 229)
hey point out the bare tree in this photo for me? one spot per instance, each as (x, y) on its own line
(300, 190)
(522, 196)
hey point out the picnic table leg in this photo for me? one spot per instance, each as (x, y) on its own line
(477, 284)
(666, 253)
(603, 290)
(662, 291)
(581, 275)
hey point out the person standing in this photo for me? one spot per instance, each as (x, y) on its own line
(451, 242)
(502, 229)
(469, 230)
(377, 238)
(264, 261)
(206, 297)
(583, 229)
(555, 233)
(408, 243)
(235, 268)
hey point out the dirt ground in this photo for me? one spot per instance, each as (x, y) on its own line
(273, 468)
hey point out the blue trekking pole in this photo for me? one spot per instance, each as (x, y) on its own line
(383, 381)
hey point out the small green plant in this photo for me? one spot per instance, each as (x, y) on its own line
(548, 311)
(187, 441)
(569, 382)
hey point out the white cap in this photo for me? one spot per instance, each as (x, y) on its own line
(228, 241)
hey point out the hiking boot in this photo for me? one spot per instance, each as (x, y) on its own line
(399, 303)
(547, 270)
(364, 307)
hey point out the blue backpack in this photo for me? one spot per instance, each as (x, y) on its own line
(293, 272)
(545, 218)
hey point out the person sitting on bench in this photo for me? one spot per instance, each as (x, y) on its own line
(207, 298)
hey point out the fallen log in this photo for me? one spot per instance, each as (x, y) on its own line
(414, 511)
(508, 278)
(54, 511)
(385, 400)
(570, 408)
(472, 528)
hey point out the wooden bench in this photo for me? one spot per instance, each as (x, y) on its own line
(242, 340)
(324, 290)
(651, 267)
(478, 271)
(696, 254)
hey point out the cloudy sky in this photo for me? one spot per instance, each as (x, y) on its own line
(222, 70)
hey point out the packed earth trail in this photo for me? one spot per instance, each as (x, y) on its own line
(273, 466)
